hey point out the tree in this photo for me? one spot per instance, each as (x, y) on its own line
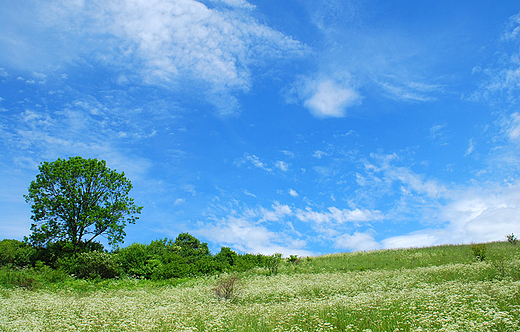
(77, 200)
(191, 246)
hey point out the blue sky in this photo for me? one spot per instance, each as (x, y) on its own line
(301, 127)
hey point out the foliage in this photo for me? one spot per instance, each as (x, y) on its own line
(91, 265)
(136, 261)
(77, 200)
(479, 251)
(30, 278)
(293, 259)
(59, 250)
(227, 258)
(16, 253)
(451, 297)
(273, 263)
(227, 288)
(511, 238)
(191, 247)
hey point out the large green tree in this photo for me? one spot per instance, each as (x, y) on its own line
(77, 200)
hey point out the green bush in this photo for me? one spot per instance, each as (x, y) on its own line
(226, 258)
(479, 251)
(273, 263)
(91, 265)
(15, 277)
(16, 253)
(52, 253)
(293, 259)
(511, 238)
(30, 278)
(134, 261)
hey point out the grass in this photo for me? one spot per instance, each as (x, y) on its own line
(428, 289)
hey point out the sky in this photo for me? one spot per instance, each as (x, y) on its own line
(303, 127)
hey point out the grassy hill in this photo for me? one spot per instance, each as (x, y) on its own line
(423, 289)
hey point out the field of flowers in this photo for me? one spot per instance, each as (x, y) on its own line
(474, 296)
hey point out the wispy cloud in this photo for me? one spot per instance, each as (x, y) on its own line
(413, 91)
(513, 127)
(254, 161)
(338, 216)
(471, 147)
(500, 83)
(282, 165)
(170, 44)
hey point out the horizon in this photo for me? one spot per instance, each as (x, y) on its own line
(298, 127)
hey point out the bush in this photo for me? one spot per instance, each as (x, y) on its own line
(227, 288)
(56, 251)
(479, 251)
(227, 258)
(91, 265)
(30, 278)
(16, 253)
(511, 238)
(14, 277)
(273, 263)
(293, 259)
(135, 261)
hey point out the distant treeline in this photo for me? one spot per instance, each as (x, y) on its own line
(183, 257)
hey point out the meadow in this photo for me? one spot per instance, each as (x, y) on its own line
(445, 288)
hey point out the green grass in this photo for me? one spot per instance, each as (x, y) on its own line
(425, 289)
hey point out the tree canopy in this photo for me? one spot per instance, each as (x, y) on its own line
(77, 200)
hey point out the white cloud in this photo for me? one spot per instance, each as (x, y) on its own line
(513, 30)
(282, 165)
(320, 154)
(339, 216)
(410, 180)
(513, 129)
(248, 193)
(413, 240)
(253, 160)
(177, 44)
(471, 147)
(277, 213)
(357, 241)
(411, 91)
(247, 236)
(330, 99)
(501, 82)
(179, 201)
(293, 193)
(473, 215)
(236, 3)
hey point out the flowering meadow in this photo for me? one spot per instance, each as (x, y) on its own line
(470, 296)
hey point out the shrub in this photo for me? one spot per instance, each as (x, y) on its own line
(511, 238)
(227, 288)
(92, 265)
(134, 261)
(293, 259)
(226, 257)
(479, 251)
(14, 277)
(16, 253)
(273, 263)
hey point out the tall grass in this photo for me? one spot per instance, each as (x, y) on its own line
(429, 289)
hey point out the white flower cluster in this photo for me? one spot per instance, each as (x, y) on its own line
(456, 297)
